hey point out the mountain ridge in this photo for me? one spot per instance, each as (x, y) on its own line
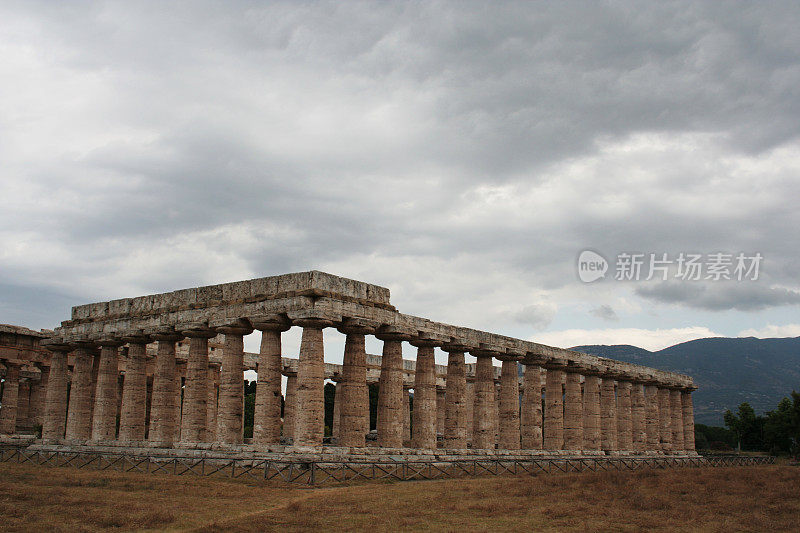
(727, 370)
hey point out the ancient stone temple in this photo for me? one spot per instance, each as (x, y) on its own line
(167, 370)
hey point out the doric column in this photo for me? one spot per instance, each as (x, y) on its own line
(104, 418)
(134, 391)
(455, 417)
(55, 404)
(531, 418)
(676, 419)
(688, 418)
(230, 410)
(440, 410)
(406, 414)
(79, 414)
(290, 407)
(211, 402)
(23, 406)
(390, 388)
(624, 415)
(194, 416)
(267, 416)
(664, 418)
(38, 393)
(608, 413)
(180, 373)
(469, 401)
(591, 408)
(554, 405)
(8, 411)
(309, 424)
(483, 435)
(638, 427)
(353, 401)
(573, 409)
(425, 409)
(163, 410)
(509, 438)
(651, 417)
(337, 408)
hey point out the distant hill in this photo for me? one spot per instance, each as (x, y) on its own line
(728, 371)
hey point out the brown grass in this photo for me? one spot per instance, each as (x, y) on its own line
(722, 499)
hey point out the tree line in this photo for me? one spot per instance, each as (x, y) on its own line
(776, 432)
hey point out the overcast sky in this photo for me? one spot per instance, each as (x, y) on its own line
(461, 154)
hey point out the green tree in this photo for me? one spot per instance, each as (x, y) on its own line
(747, 426)
(778, 428)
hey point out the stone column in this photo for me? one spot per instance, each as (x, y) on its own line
(624, 416)
(608, 414)
(651, 417)
(469, 400)
(591, 409)
(688, 419)
(425, 409)
(309, 416)
(483, 436)
(455, 417)
(8, 412)
(194, 416)
(531, 418)
(337, 408)
(134, 391)
(440, 410)
(290, 406)
(55, 404)
(163, 410)
(104, 418)
(509, 406)
(79, 414)
(638, 431)
(353, 402)
(38, 394)
(267, 416)
(406, 415)
(390, 389)
(676, 419)
(573, 410)
(664, 418)
(554, 405)
(211, 402)
(180, 372)
(230, 410)
(24, 423)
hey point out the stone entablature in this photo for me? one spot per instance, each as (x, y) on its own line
(315, 295)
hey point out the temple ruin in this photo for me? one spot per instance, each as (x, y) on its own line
(166, 371)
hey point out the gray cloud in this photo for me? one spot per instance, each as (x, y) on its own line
(720, 296)
(605, 312)
(434, 148)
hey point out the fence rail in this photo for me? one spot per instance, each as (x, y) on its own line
(318, 472)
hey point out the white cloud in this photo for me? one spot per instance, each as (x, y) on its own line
(772, 331)
(643, 338)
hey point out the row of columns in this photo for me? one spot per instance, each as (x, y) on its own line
(586, 409)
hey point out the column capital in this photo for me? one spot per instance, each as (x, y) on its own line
(486, 349)
(274, 322)
(554, 363)
(109, 342)
(136, 337)
(228, 326)
(164, 334)
(427, 339)
(313, 318)
(689, 388)
(358, 326)
(56, 344)
(196, 330)
(394, 332)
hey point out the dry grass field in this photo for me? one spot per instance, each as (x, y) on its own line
(724, 499)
